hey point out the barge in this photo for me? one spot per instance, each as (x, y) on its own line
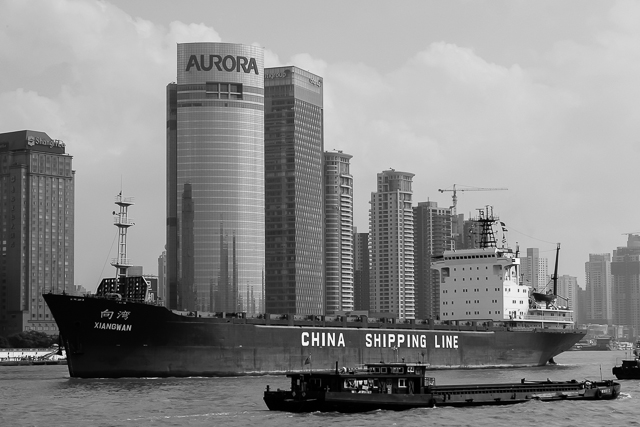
(403, 386)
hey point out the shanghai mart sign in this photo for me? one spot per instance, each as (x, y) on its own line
(226, 63)
(34, 140)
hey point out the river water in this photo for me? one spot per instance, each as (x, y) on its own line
(46, 396)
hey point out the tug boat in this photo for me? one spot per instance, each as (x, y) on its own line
(630, 368)
(402, 386)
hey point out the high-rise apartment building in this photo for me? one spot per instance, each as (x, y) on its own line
(598, 289)
(625, 271)
(465, 233)
(568, 290)
(580, 312)
(215, 178)
(37, 187)
(433, 234)
(392, 253)
(294, 198)
(361, 270)
(338, 247)
(535, 270)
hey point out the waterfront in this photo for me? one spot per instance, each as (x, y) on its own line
(46, 396)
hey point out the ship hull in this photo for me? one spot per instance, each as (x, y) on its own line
(110, 339)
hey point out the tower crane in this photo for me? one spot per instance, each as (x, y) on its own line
(455, 196)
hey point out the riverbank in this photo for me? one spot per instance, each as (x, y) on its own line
(32, 356)
(32, 362)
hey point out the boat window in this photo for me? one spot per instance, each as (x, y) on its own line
(350, 383)
(315, 384)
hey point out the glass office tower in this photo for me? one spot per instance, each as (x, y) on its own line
(215, 179)
(294, 151)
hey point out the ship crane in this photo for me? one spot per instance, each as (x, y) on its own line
(455, 195)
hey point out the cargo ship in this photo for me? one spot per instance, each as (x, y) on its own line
(120, 331)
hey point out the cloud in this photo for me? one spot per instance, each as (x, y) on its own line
(94, 77)
(561, 133)
(550, 132)
(445, 114)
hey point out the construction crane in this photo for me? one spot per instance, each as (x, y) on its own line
(455, 196)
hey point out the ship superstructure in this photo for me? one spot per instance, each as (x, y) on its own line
(123, 286)
(482, 285)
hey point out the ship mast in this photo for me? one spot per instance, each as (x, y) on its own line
(122, 221)
(486, 219)
(555, 272)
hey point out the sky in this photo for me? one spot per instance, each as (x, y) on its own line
(540, 97)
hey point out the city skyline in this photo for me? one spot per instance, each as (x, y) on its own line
(489, 94)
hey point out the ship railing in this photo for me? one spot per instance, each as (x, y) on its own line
(557, 319)
(209, 314)
(120, 297)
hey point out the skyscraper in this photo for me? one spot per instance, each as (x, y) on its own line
(338, 248)
(568, 290)
(535, 270)
(294, 200)
(37, 186)
(215, 178)
(392, 252)
(598, 288)
(433, 234)
(625, 271)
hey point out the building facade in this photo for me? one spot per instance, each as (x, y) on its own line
(162, 279)
(535, 270)
(392, 250)
(598, 289)
(338, 248)
(37, 186)
(625, 289)
(215, 178)
(361, 270)
(294, 198)
(568, 292)
(433, 234)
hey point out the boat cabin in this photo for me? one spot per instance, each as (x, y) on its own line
(390, 378)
